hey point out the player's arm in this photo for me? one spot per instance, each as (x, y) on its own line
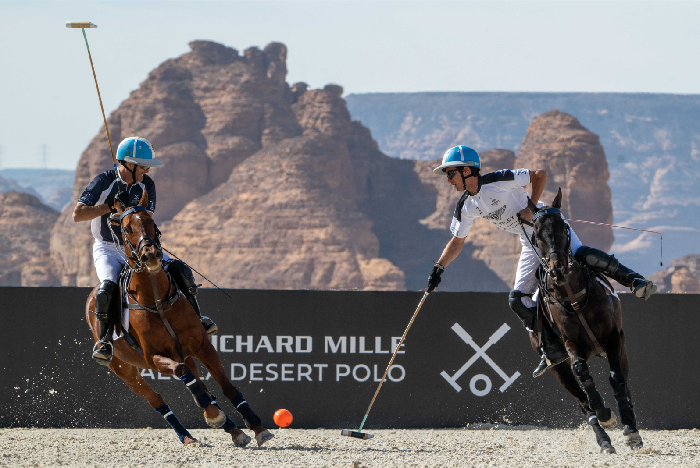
(538, 179)
(87, 213)
(452, 250)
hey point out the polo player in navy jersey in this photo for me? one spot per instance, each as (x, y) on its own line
(500, 198)
(96, 204)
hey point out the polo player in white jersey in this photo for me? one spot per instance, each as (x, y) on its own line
(136, 157)
(500, 198)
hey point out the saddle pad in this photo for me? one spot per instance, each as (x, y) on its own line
(116, 334)
(607, 287)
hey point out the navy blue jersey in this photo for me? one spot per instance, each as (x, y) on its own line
(102, 189)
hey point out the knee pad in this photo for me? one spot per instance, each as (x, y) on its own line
(597, 259)
(182, 274)
(105, 300)
(526, 314)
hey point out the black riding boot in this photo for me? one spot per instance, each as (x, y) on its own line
(105, 307)
(553, 351)
(599, 261)
(184, 279)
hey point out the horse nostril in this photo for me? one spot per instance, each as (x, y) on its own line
(144, 258)
(159, 255)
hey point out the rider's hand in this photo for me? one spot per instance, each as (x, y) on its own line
(525, 214)
(110, 205)
(434, 278)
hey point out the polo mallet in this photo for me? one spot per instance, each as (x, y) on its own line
(362, 435)
(82, 25)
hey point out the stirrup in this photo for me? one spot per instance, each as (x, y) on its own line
(103, 354)
(209, 325)
(644, 289)
(546, 364)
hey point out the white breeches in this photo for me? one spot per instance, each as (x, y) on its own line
(525, 280)
(108, 261)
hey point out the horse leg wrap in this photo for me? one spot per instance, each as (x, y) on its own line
(580, 368)
(527, 315)
(173, 422)
(623, 402)
(250, 418)
(200, 395)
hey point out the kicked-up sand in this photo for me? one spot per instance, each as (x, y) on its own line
(478, 445)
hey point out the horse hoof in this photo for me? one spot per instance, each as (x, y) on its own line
(242, 440)
(217, 422)
(607, 448)
(610, 423)
(188, 440)
(633, 440)
(263, 437)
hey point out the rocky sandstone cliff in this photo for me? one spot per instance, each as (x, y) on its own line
(25, 224)
(652, 142)
(681, 276)
(204, 112)
(271, 186)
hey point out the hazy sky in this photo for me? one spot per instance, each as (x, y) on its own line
(47, 93)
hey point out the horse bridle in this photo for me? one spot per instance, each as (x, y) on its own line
(144, 241)
(544, 260)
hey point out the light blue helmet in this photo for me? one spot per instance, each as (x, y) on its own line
(137, 150)
(457, 157)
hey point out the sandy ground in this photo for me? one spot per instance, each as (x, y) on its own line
(480, 445)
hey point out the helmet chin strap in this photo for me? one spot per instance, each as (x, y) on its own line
(133, 172)
(464, 180)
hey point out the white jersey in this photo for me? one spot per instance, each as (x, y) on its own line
(501, 196)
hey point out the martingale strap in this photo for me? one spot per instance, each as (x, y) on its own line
(161, 312)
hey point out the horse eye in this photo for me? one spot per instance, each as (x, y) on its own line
(127, 229)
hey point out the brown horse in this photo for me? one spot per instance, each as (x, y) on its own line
(169, 334)
(589, 319)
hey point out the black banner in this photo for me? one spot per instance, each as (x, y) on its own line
(321, 354)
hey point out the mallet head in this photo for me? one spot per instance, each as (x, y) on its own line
(355, 434)
(80, 24)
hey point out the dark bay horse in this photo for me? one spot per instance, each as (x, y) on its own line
(169, 334)
(589, 319)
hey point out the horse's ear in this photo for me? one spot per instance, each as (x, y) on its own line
(557, 200)
(532, 206)
(144, 199)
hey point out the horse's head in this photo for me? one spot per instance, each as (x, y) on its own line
(139, 233)
(553, 238)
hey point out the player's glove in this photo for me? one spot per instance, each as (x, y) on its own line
(434, 278)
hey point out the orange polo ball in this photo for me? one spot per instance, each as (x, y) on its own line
(283, 418)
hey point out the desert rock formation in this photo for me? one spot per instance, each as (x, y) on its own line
(25, 225)
(271, 186)
(681, 276)
(204, 113)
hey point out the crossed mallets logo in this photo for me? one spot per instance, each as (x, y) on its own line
(480, 353)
